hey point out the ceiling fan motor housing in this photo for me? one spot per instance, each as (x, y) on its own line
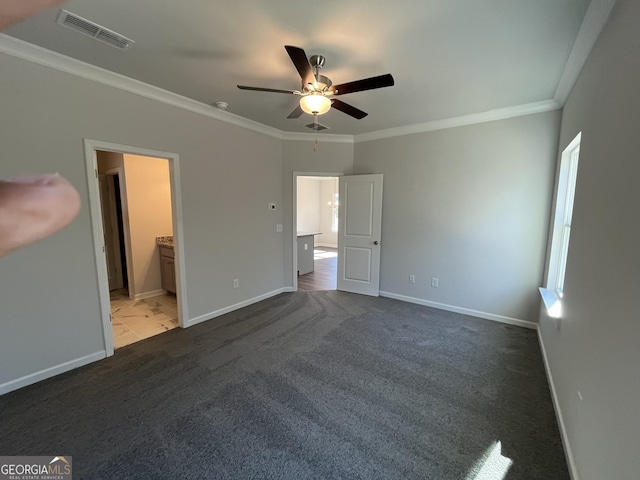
(323, 83)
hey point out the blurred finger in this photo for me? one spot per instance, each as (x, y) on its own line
(32, 208)
(12, 11)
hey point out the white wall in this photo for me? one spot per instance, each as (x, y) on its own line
(597, 349)
(328, 186)
(308, 212)
(148, 216)
(470, 206)
(50, 315)
(314, 213)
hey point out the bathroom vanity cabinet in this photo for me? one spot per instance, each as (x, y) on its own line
(167, 268)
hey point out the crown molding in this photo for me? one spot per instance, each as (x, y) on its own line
(41, 56)
(482, 117)
(593, 23)
(325, 137)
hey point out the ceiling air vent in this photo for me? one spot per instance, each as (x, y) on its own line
(318, 127)
(84, 26)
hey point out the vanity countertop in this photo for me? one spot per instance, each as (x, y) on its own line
(165, 241)
(306, 234)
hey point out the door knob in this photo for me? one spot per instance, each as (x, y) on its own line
(376, 242)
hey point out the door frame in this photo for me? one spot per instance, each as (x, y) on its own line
(294, 250)
(91, 161)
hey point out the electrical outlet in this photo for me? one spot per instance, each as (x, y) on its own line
(236, 283)
(279, 227)
(412, 279)
(435, 282)
(306, 246)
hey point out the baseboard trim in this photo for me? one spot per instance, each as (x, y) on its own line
(32, 378)
(573, 471)
(150, 294)
(237, 306)
(466, 311)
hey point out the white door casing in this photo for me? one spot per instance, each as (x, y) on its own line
(359, 232)
(90, 148)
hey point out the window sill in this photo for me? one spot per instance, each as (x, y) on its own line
(552, 301)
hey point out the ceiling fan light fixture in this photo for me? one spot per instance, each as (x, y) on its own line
(315, 104)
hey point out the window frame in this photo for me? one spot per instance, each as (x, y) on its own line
(553, 291)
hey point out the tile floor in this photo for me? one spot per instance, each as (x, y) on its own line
(135, 320)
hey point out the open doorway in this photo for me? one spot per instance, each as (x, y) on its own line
(135, 210)
(316, 200)
(135, 198)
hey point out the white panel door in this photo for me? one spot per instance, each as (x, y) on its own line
(359, 230)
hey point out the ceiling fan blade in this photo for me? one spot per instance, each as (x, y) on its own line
(365, 84)
(348, 109)
(296, 113)
(299, 59)
(259, 89)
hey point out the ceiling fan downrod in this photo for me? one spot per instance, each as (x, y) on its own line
(322, 83)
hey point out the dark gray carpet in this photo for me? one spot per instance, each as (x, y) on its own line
(322, 385)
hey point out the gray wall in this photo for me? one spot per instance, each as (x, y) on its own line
(299, 156)
(470, 206)
(48, 291)
(596, 350)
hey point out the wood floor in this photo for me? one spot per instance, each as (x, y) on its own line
(325, 271)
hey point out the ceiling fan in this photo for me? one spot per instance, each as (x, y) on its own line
(317, 91)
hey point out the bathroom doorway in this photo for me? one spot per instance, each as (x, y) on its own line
(135, 197)
(135, 204)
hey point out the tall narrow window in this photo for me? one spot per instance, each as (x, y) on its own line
(562, 220)
(334, 213)
(334, 216)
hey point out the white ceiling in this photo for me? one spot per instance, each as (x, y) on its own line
(449, 58)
